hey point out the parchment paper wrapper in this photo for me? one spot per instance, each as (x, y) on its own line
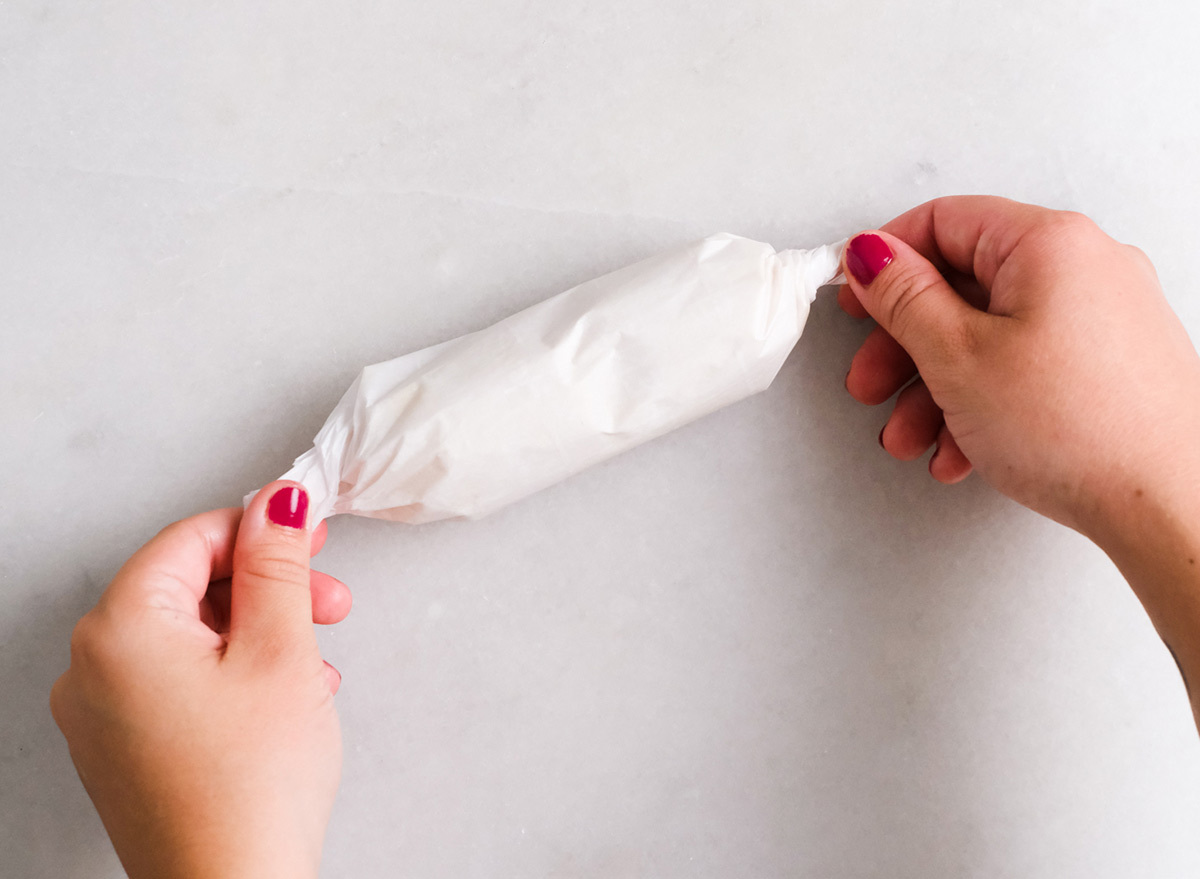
(465, 427)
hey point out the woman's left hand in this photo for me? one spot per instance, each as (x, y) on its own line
(197, 707)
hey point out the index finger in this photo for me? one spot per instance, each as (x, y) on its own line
(175, 567)
(972, 234)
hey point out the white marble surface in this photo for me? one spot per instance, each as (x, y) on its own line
(757, 647)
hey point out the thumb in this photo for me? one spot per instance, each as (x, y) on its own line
(907, 296)
(270, 603)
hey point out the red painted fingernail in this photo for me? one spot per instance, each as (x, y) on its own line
(881, 445)
(288, 507)
(866, 257)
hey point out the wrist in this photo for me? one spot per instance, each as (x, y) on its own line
(1152, 533)
(1150, 525)
(1146, 500)
(212, 852)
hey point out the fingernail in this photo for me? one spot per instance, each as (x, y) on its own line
(866, 257)
(288, 507)
(881, 445)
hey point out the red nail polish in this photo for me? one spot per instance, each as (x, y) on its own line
(288, 507)
(866, 257)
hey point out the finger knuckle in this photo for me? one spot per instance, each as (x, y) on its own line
(275, 567)
(178, 529)
(184, 532)
(1069, 225)
(905, 291)
(99, 650)
(1075, 220)
(1141, 260)
(58, 701)
(86, 641)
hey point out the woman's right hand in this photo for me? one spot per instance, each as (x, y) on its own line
(1048, 357)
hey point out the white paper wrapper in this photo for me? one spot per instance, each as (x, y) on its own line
(467, 426)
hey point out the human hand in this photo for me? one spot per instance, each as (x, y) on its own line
(197, 707)
(1048, 357)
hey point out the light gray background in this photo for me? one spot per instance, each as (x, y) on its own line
(757, 647)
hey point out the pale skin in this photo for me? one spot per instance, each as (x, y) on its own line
(1047, 359)
(197, 707)
(1023, 343)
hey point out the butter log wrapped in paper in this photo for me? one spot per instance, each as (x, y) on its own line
(465, 427)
